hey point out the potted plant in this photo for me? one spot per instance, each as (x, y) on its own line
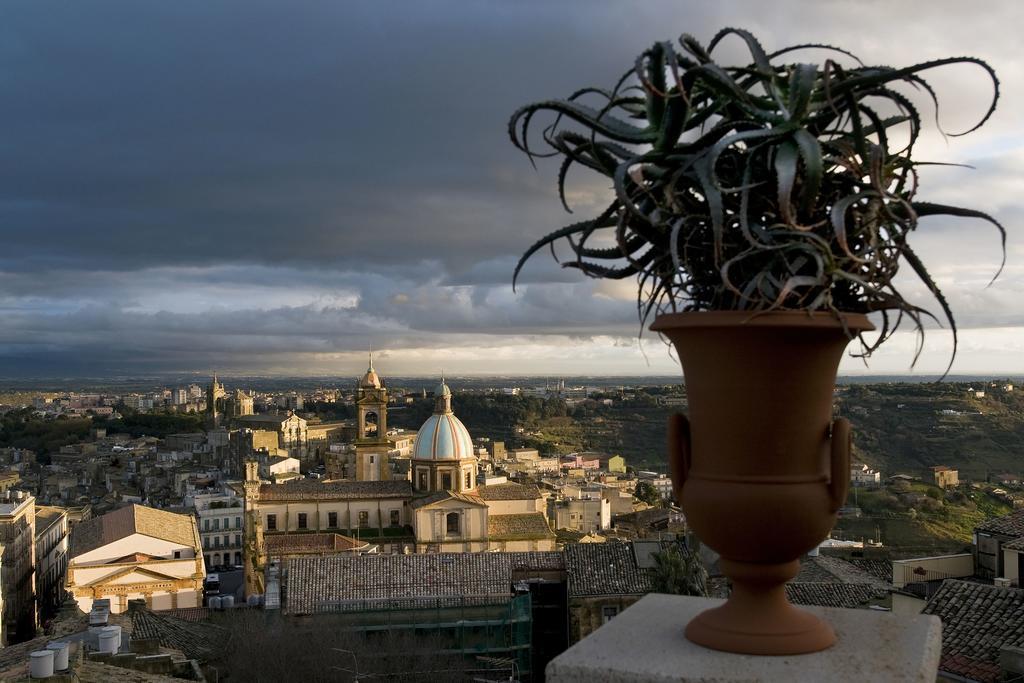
(765, 211)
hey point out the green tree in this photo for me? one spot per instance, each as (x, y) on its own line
(679, 572)
(646, 493)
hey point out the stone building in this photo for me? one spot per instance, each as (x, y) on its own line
(17, 565)
(51, 558)
(238, 404)
(587, 514)
(250, 444)
(137, 552)
(290, 428)
(945, 477)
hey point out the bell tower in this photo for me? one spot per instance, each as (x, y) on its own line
(372, 443)
(255, 551)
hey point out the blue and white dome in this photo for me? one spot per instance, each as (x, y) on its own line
(443, 437)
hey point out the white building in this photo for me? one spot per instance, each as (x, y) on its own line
(51, 557)
(136, 552)
(862, 475)
(221, 519)
(661, 482)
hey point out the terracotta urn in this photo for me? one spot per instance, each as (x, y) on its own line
(760, 467)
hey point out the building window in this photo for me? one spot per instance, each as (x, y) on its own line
(272, 522)
(364, 519)
(238, 522)
(227, 541)
(177, 554)
(423, 481)
(607, 613)
(206, 525)
(238, 558)
(396, 518)
(332, 520)
(469, 479)
(216, 542)
(206, 542)
(216, 524)
(302, 520)
(452, 522)
(446, 481)
(373, 459)
(238, 540)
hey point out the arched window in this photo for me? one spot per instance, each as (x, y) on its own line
(452, 522)
(370, 421)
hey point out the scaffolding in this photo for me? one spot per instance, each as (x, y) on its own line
(480, 627)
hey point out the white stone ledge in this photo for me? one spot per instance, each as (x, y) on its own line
(646, 643)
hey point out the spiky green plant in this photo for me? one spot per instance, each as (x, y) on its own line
(767, 186)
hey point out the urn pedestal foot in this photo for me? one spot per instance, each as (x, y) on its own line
(757, 619)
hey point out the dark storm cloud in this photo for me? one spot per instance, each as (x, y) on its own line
(180, 182)
(326, 133)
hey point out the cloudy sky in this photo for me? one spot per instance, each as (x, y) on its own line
(271, 187)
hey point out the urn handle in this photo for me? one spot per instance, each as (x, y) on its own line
(678, 452)
(839, 483)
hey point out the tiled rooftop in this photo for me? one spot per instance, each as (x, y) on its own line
(282, 544)
(518, 527)
(824, 569)
(134, 519)
(880, 569)
(604, 569)
(977, 620)
(315, 583)
(313, 489)
(446, 495)
(848, 595)
(197, 640)
(1007, 525)
(1017, 544)
(509, 491)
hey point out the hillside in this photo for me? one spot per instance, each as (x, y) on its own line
(912, 427)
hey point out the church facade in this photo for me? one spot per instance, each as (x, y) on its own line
(439, 507)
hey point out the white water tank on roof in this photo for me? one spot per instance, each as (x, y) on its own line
(60, 655)
(110, 639)
(40, 664)
(213, 602)
(227, 601)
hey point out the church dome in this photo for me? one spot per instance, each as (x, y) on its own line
(442, 389)
(443, 437)
(370, 380)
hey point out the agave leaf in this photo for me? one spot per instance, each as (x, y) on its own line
(923, 209)
(801, 87)
(915, 262)
(550, 238)
(608, 126)
(814, 46)
(814, 168)
(882, 75)
(786, 155)
(761, 60)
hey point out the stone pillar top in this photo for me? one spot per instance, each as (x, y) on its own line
(646, 643)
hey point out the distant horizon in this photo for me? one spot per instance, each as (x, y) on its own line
(143, 382)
